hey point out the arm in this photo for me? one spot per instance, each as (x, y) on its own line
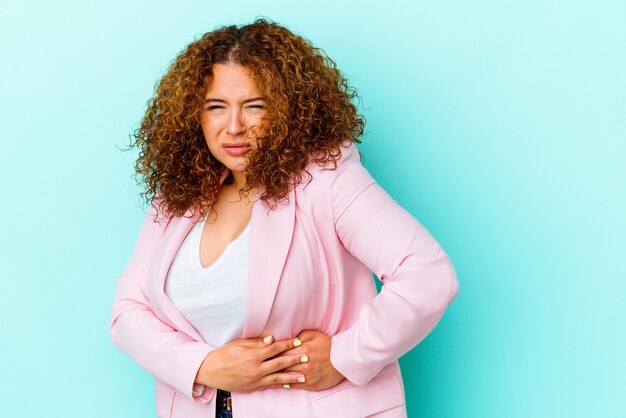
(419, 279)
(171, 356)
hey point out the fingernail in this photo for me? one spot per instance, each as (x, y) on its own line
(297, 343)
(287, 386)
(267, 339)
(304, 359)
(301, 379)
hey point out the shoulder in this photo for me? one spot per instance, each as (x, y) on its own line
(348, 173)
(318, 178)
(160, 211)
(338, 183)
(349, 160)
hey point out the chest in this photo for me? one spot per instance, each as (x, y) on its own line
(223, 225)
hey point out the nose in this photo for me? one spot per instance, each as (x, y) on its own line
(236, 123)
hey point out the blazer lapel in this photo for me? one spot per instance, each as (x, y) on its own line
(270, 237)
(166, 256)
(178, 234)
(271, 233)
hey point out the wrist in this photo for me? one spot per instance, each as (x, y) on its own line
(203, 373)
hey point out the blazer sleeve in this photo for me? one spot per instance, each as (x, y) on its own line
(419, 279)
(170, 355)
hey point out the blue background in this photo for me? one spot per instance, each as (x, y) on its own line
(501, 125)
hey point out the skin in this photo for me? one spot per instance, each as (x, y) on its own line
(233, 113)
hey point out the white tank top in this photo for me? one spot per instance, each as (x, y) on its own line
(213, 299)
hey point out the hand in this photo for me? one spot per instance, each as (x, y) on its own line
(318, 371)
(248, 364)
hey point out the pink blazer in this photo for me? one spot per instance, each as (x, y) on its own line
(310, 267)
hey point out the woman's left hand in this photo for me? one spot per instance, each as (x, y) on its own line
(315, 361)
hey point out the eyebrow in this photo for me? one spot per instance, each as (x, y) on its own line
(253, 99)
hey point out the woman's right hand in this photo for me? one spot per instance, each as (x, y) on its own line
(249, 364)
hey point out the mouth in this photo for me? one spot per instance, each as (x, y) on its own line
(236, 149)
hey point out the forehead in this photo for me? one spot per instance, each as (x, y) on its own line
(231, 80)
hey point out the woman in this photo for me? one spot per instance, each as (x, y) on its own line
(249, 292)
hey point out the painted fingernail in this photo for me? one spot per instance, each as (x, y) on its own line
(301, 379)
(267, 339)
(287, 386)
(304, 359)
(297, 343)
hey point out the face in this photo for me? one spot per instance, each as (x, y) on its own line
(233, 112)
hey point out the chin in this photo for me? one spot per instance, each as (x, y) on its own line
(237, 167)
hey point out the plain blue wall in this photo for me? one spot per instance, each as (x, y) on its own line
(500, 125)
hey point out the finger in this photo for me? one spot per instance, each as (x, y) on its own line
(293, 352)
(310, 346)
(276, 348)
(282, 362)
(308, 335)
(296, 386)
(300, 364)
(256, 342)
(280, 379)
(297, 344)
(303, 368)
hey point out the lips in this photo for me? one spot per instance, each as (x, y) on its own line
(236, 149)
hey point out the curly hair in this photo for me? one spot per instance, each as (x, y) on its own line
(309, 116)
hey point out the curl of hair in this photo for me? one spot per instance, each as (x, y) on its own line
(309, 117)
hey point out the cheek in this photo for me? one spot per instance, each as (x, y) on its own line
(210, 141)
(255, 132)
(210, 131)
(257, 127)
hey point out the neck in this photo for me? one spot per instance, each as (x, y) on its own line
(239, 179)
